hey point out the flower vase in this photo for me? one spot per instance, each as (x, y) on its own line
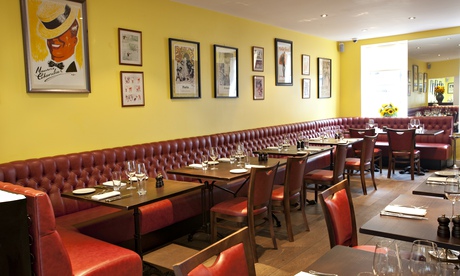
(439, 98)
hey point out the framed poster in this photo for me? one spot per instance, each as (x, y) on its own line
(283, 62)
(259, 87)
(129, 47)
(53, 66)
(415, 77)
(450, 88)
(306, 85)
(184, 69)
(132, 88)
(257, 59)
(305, 65)
(324, 77)
(225, 72)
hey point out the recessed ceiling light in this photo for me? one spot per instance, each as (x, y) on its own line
(364, 30)
(412, 18)
(324, 15)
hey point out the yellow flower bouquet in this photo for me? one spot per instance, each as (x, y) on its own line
(388, 110)
(439, 89)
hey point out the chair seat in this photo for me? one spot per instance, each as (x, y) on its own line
(237, 207)
(352, 161)
(278, 193)
(399, 154)
(377, 152)
(320, 175)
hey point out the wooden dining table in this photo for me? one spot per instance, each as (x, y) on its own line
(413, 229)
(431, 188)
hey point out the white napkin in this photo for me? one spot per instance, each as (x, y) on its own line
(302, 152)
(313, 149)
(406, 210)
(195, 166)
(272, 148)
(105, 195)
(110, 183)
(436, 179)
(301, 273)
(315, 139)
(223, 159)
(254, 166)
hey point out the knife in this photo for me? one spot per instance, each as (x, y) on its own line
(117, 198)
(399, 215)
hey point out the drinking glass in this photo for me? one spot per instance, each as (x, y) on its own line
(452, 193)
(280, 145)
(141, 174)
(386, 258)
(130, 170)
(416, 123)
(232, 157)
(204, 162)
(424, 258)
(213, 154)
(411, 123)
(116, 180)
(371, 123)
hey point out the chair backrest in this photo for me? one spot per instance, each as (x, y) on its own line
(401, 139)
(295, 171)
(360, 133)
(235, 257)
(339, 214)
(339, 161)
(367, 151)
(260, 188)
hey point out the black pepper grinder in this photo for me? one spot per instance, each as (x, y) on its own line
(160, 182)
(456, 227)
(443, 227)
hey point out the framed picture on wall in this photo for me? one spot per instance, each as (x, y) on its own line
(305, 65)
(450, 88)
(259, 87)
(225, 72)
(184, 69)
(324, 77)
(48, 68)
(415, 77)
(129, 47)
(257, 59)
(283, 62)
(132, 88)
(306, 85)
(425, 82)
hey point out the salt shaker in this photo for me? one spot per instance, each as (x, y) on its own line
(443, 227)
(456, 227)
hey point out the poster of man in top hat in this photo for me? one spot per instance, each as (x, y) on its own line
(55, 46)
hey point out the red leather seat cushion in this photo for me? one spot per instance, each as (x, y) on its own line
(237, 207)
(352, 162)
(321, 175)
(278, 193)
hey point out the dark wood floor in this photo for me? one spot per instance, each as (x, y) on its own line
(293, 257)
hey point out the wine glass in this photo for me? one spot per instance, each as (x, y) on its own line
(141, 174)
(424, 258)
(416, 123)
(213, 155)
(452, 193)
(371, 123)
(130, 170)
(386, 258)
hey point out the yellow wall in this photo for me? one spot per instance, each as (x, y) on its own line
(40, 124)
(350, 73)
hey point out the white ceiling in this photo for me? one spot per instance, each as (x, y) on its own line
(347, 19)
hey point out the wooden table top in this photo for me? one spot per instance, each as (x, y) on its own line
(410, 229)
(334, 142)
(292, 150)
(171, 188)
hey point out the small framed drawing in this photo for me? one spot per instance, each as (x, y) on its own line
(257, 59)
(184, 69)
(306, 85)
(225, 72)
(46, 25)
(129, 47)
(132, 88)
(425, 82)
(283, 62)
(450, 88)
(324, 77)
(415, 77)
(305, 65)
(259, 87)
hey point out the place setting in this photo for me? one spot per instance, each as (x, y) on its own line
(400, 211)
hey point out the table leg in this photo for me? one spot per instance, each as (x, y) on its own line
(137, 232)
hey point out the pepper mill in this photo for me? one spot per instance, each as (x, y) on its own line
(456, 227)
(160, 182)
(443, 227)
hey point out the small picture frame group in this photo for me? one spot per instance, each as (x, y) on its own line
(130, 47)
(306, 87)
(132, 88)
(225, 72)
(259, 87)
(305, 65)
(324, 77)
(283, 62)
(257, 59)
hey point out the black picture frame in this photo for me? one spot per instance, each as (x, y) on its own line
(129, 47)
(324, 77)
(225, 72)
(283, 62)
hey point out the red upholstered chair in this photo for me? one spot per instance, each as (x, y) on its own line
(327, 177)
(235, 257)
(360, 133)
(402, 150)
(286, 196)
(253, 210)
(364, 162)
(339, 213)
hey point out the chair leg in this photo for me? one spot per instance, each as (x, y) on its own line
(252, 235)
(213, 227)
(373, 179)
(302, 209)
(363, 181)
(381, 164)
(390, 164)
(272, 230)
(287, 218)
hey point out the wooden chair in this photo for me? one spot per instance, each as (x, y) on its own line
(402, 150)
(339, 213)
(253, 210)
(360, 133)
(235, 257)
(285, 197)
(363, 163)
(327, 177)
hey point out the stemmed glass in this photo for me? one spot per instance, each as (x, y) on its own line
(141, 174)
(452, 193)
(130, 170)
(387, 259)
(213, 154)
(371, 123)
(424, 258)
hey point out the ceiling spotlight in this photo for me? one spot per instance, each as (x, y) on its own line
(364, 30)
(412, 18)
(324, 15)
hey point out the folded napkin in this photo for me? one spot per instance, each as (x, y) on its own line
(414, 211)
(223, 159)
(195, 166)
(436, 179)
(254, 166)
(302, 152)
(314, 149)
(301, 273)
(105, 195)
(272, 148)
(315, 139)
(110, 183)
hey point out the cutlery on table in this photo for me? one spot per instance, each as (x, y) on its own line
(321, 273)
(117, 198)
(399, 215)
